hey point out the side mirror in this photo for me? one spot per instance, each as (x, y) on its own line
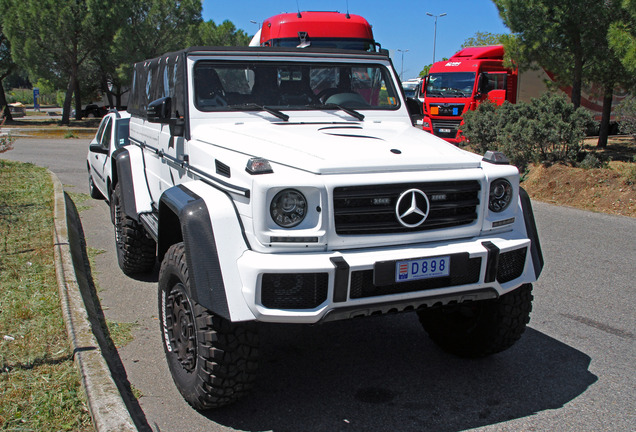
(97, 148)
(159, 110)
(415, 108)
(482, 86)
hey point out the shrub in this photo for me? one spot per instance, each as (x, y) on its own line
(592, 160)
(547, 129)
(626, 115)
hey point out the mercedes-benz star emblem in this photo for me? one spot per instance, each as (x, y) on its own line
(412, 208)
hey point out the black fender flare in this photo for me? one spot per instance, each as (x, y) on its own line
(532, 232)
(123, 175)
(180, 206)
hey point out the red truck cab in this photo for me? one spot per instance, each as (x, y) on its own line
(461, 83)
(316, 29)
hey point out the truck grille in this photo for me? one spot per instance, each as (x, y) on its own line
(372, 209)
(454, 110)
(440, 127)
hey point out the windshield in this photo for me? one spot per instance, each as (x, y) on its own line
(233, 86)
(450, 84)
(410, 89)
(339, 43)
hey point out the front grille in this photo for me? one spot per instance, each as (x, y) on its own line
(451, 125)
(448, 109)
(371, 209)
(294, 290)
(511, 265)
(362, 282)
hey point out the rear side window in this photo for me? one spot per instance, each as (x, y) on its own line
(121, 134)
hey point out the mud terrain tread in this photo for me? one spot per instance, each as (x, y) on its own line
(136, 252)
(481, 328)
(227, 352)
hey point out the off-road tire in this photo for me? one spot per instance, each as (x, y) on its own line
(481, 328)
(213, 361)
(136, 252)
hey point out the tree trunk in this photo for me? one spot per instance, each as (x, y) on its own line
(3, 97)
(66, 109)
(78, 97)
(603, 133)
(577, 81)
(4, 106)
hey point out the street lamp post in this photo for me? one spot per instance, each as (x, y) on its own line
(402, 72)
(435, 32)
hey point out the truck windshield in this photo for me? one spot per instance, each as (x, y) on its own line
(450, 84)
(296, 86)
(339, 43)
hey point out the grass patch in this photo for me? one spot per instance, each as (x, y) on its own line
(79, 199)
(120, 333)
(39, 383)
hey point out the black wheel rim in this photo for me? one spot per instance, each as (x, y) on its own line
(181, 328)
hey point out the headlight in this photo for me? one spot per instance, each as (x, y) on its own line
(500, 195)
(288, 208)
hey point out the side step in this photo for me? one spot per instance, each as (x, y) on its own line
(150, 221)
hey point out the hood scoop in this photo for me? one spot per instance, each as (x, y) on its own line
(347, 131)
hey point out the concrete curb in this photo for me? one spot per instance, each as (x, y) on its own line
(106, 406)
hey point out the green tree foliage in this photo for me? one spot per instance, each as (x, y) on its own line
(225, 34)
(483, 39)
(626, 113)
(52, 39)
(622, 36)
(548, 129)
(560, 35)
(605, 68)
(146, 29)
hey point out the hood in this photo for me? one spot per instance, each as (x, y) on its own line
(328, 148)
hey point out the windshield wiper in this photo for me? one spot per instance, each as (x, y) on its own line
(276, 113)
(457, 92)
(350, 111)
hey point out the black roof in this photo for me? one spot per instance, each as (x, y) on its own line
(267, 51)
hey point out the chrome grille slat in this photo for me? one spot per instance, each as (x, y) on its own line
(371, 209)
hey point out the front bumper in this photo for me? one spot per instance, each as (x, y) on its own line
(313, 287)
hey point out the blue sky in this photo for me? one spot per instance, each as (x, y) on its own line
(398, 24)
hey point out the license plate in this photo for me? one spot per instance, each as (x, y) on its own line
(422, 268)
(444, 131)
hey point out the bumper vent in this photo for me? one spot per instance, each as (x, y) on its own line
(294, 291)
(362, 285)
(511, 265)
(371, 209)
